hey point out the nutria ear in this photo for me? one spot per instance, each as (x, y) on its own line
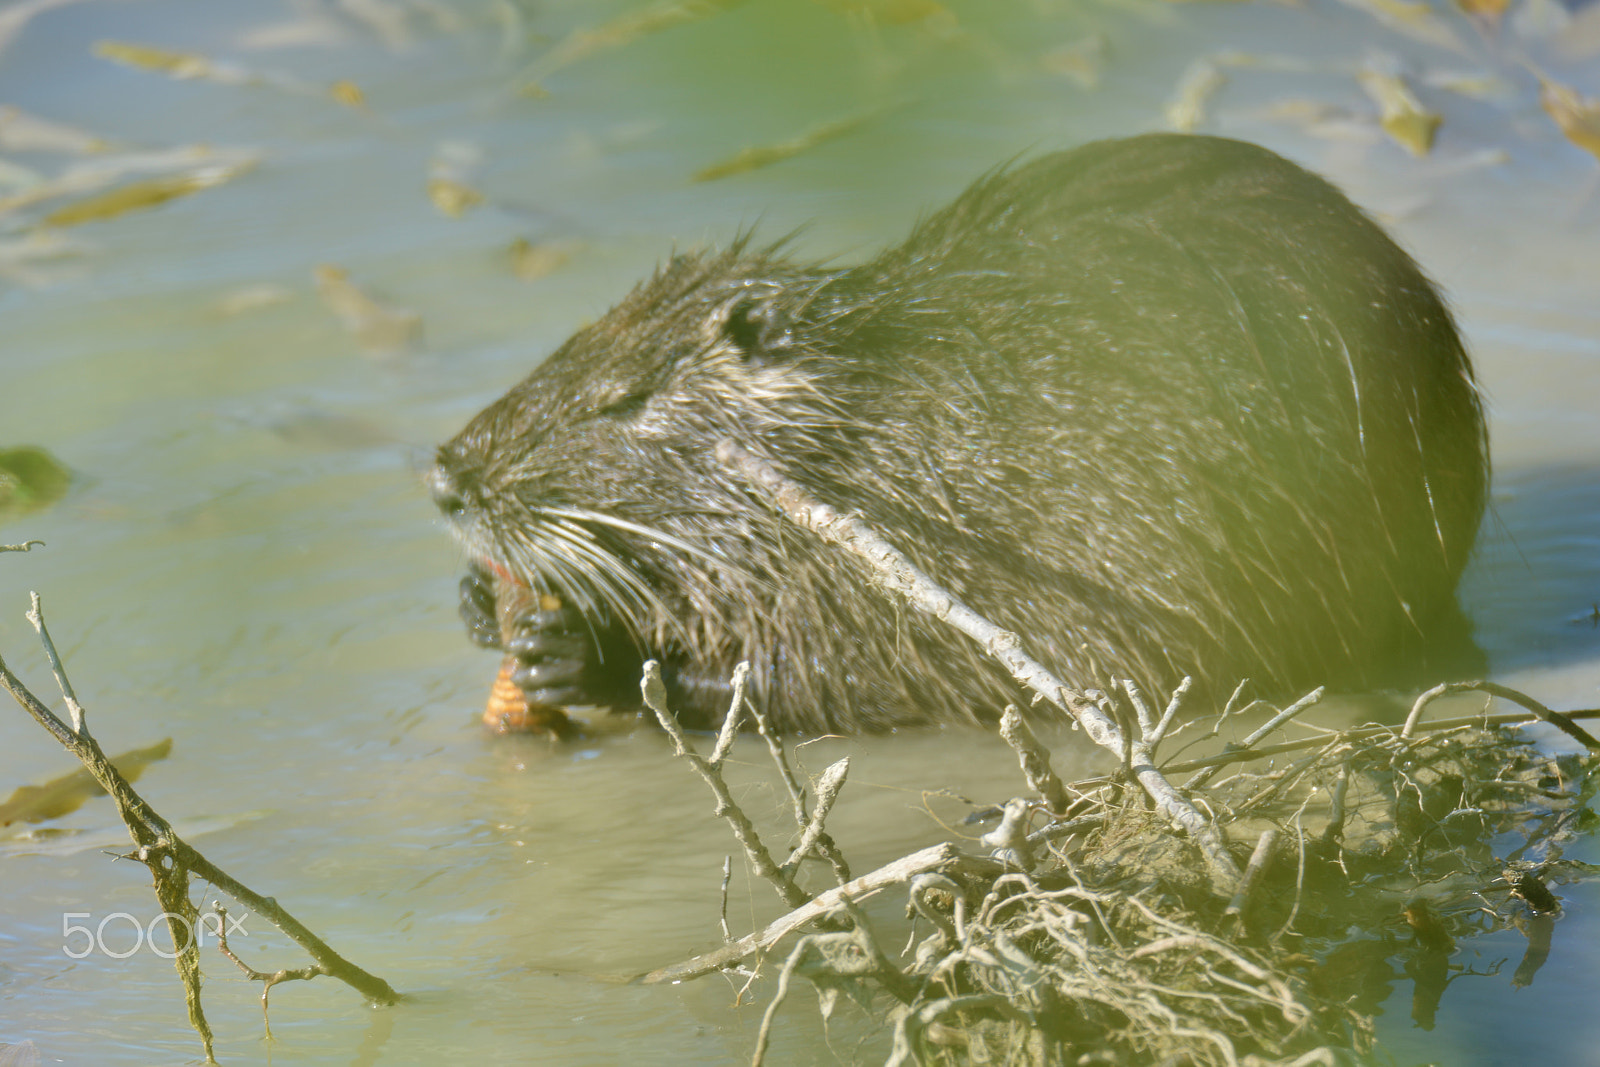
(758, 326)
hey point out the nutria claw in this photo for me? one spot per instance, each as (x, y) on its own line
(556, 656)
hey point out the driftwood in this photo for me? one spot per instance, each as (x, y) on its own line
(1098, 953)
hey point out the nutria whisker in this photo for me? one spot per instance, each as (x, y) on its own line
(583, 572)
(582, 515)
(612, 573)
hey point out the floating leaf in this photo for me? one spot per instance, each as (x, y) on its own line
(756, 156)
(181, 65)
(1403, 116)
(30, 479)
(252, 297)
(348, 93)
(194, 66)
(22, 132)
(102, 171)
(377, 327)
(623, 30)
(1478, 85)
(1415, 19)
(1200, 82)
(1081, 61)
(1576, 114)
(449, 182)
(1490, 11)
(149, 193)
(530, 262)
(1327, 121)
(66, 794)
(452, 197)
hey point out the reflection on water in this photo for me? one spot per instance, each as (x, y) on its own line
(247, 563)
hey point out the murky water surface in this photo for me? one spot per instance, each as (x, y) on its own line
(248, 564)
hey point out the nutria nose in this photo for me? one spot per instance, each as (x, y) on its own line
(446, 494)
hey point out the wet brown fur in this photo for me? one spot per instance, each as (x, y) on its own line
(1165, 405)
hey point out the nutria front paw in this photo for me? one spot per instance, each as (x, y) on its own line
(560, 660)
(478, 609)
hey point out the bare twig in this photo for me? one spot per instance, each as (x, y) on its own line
(25, 546)
(828, 786)
(35, 615)
(1266, 728)
(797, 795)
(1360, 733)
(1035, 760)
(727, 875)
(852, 954)
(941, 857)
(1258, 863)
(1561, 722)
(896, 573)
(268, 979)
(655, 698)
(171, 860)
(730, 722)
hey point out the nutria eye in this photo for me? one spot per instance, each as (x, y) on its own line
(756, 327)
(744, 325)
(625, 405)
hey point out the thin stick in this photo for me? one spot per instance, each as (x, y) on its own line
(1561, 722)
(655, 698)
(35, 615)
(797, 795)
(828, 786)
(941, 857)
(167, 855)
(1358, 734)
(896, 573)
(1264, 730)
(1258, 863)
(268, 979)
(727, 876)
(730, 722)
(1035, 760)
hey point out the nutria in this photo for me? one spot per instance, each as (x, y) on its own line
(1165, 405)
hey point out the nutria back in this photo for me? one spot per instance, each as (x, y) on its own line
(1166, 405)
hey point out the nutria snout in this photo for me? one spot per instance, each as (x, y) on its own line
(1165, 405)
